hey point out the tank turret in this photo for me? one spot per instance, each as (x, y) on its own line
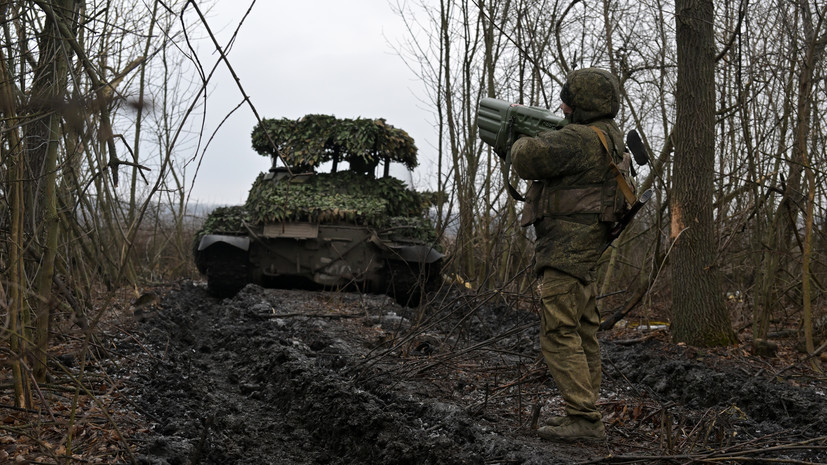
(347, 228)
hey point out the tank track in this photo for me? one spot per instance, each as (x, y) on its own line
(408, 282)
(227, 271)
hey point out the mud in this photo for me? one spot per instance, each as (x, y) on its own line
(300, 377)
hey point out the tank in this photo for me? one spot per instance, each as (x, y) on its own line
(338, 230)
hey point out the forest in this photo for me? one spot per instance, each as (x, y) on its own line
(102, 109)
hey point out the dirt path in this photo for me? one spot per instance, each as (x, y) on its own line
(294, 377)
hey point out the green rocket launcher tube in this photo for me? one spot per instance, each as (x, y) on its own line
(500, 123)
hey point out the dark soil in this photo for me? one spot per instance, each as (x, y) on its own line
(300, 377)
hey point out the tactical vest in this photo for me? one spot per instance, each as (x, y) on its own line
(609, 199)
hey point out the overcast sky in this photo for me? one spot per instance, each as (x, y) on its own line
(300, 57)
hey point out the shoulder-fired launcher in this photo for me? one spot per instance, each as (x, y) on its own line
(500, 123)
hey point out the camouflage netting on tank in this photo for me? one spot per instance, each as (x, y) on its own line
(411, 227)
(338, 197)
(316, 139)
(227, 220)
(343, 197)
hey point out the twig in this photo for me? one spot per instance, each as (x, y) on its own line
(720, 455)
(237, 80)
(28, 410)
(808, 357)
(317, 315)
(474, 347)
(633, 302)
(637, 340)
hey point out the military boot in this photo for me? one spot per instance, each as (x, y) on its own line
(574, 428)
(555, 420)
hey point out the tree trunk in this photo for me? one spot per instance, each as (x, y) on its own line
(699, 316)
(814, 51)
(50, 81)
(17, 311)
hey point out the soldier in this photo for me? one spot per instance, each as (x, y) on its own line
(571, 205)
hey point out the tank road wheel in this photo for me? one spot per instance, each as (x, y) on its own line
(227, 270)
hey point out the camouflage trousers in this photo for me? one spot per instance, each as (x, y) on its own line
(568, 339)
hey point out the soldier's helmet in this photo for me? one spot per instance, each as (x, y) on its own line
(592, 93)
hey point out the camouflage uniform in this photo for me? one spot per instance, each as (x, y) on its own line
(569, 245)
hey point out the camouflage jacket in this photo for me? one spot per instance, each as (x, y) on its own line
(569, 157)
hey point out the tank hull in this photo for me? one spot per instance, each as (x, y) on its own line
(335, 256)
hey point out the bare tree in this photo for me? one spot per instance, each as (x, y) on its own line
(699, 316)
(65, 97)
(815, 40)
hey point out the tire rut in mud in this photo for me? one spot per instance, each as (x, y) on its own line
(277, 376)
(237, 383)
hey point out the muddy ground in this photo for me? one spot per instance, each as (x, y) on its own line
(298, 377)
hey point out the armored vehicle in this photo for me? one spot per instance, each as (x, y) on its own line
(341, 229)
